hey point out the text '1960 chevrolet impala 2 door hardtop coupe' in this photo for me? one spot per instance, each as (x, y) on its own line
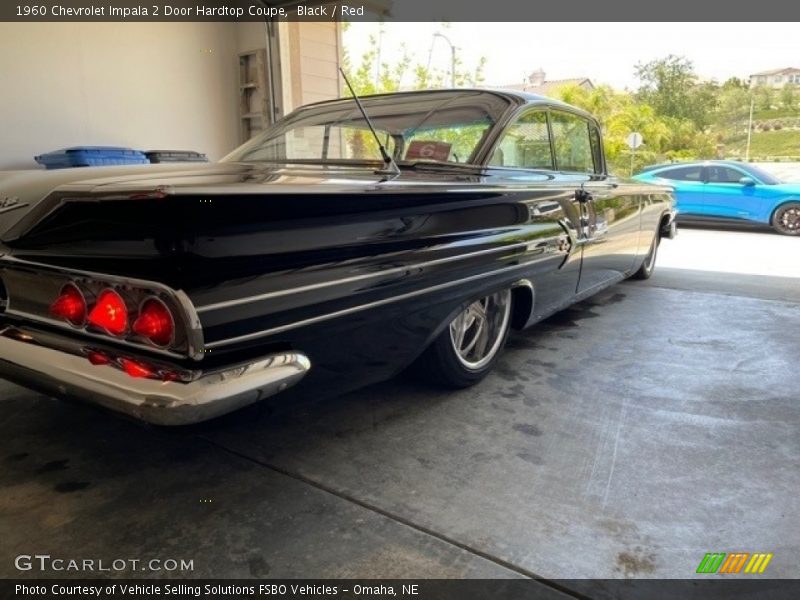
(320, 250)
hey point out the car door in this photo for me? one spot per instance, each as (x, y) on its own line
(726, 196)
(689, 184)
(524, 154)
(610, 216)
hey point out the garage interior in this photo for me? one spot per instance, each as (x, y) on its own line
(157, 85)
(622, 438)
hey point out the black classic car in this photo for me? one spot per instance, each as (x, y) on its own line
(322, 250)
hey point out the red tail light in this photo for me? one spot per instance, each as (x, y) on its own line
(155, 322)
(70, 305)
(98, 358)
(135, 369)
(110, 313)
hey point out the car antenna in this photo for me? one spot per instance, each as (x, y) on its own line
(387, 158)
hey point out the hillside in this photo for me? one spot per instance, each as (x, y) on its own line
(776, 136)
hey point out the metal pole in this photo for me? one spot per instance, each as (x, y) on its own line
(452, 66)
(749, 128)
(452, 57)
(633, 155)
(378, 59)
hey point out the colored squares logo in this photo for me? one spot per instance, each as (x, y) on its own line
(735, 562)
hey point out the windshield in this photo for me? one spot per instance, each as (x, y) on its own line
(448, 127)
(762, 175)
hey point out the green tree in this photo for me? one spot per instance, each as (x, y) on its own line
(733, 104)
(734, 83)
(666, 84)
(621, 113)
(369, 77)
(789, 96)
(671, 87)
(703, 99)
(764, 97)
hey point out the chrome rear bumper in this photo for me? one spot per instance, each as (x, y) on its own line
(33, 361)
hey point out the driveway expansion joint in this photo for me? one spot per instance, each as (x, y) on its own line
(554, 585)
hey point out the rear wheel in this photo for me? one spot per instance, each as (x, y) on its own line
(467, 349)
(786, 219)
(649, 264)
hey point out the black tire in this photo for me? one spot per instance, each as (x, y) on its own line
(786, 219)
(442, 364)
(649, 263)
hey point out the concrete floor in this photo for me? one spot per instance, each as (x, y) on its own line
(624, 437)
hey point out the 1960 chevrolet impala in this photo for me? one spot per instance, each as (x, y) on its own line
(316, 251)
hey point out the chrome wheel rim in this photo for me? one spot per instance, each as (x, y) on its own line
(789, 220)
(650, 259)
(478, 331)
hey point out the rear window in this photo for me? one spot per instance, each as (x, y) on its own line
(444, 126)
(682, 173)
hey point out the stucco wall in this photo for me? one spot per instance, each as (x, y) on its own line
(143, 85)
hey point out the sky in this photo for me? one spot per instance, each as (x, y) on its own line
(604, 52)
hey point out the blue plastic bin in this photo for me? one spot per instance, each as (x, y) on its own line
(91, 156)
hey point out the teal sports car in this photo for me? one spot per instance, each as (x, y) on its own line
(729, 191)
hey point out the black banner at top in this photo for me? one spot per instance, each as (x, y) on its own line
(398, 10)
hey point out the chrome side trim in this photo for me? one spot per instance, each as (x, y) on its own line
(194, 329)
(354, 278)
(25, 361)
(91, 335)
(360, 307)
(9, 208)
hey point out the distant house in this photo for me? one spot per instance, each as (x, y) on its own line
(537, 83)
(776, 78)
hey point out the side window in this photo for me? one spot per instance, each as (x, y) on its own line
(683, 174)
(525, 144)
(573, 145)
(724, 175)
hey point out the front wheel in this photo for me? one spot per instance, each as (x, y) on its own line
(786, 219)
(467, 349)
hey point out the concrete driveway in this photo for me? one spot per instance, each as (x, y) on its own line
(624, 437)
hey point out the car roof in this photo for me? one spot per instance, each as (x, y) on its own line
(693, 163)
(515, 97)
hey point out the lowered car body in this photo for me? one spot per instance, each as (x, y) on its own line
(177, 293)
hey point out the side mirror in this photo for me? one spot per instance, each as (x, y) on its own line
(747, 181)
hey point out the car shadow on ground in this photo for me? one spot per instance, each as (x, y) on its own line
(405, 391)
(733, 227)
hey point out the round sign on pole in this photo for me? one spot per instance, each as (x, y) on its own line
(634, 140)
